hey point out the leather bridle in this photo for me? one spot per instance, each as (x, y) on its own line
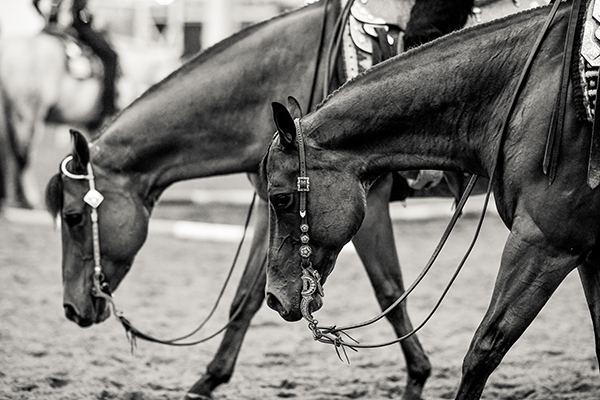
(93, 198)
(311, 279)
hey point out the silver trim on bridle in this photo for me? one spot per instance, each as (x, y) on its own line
(93, 198)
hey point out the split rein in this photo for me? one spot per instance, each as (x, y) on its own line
(100, 287)
(311, 278)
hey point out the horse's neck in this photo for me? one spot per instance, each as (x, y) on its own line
(439, 106)
(212, 116)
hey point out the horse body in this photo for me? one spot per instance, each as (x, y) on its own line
(445, 112)
(36, 85)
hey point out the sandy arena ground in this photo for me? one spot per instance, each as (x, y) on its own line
(174, 282)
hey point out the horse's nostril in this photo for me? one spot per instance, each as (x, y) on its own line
(274, 303)
(70, 312)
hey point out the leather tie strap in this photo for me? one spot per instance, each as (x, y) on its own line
(552, 151)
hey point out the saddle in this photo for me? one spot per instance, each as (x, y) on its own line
(373, 33)
(82, 62)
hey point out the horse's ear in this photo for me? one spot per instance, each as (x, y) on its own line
(285, 125)
(81, 152)
(294, 107)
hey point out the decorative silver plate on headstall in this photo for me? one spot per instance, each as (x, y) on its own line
(590, 46)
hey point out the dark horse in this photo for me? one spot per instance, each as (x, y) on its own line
(444, 111)
(35, 86)
(186, 127)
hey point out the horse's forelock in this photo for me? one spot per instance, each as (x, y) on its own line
(54, 191)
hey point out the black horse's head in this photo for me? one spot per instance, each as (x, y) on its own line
(122, 225)
(331, 219)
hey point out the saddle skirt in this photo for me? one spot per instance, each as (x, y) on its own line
(588, 63)
(370, 22)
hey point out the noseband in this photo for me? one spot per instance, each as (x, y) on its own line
(93, 198)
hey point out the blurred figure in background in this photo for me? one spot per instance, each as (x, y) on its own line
(96, 41)
(430, 19)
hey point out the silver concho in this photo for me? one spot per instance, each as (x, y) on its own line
(305, 251)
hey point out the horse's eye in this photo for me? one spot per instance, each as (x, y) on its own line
(73, 220)
(281, 200)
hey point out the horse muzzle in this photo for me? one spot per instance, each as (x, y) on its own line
(289, 308)
(98, 312)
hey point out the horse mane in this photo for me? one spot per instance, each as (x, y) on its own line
(457, 35)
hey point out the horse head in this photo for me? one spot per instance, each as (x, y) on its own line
(110, 242)
(309, 224)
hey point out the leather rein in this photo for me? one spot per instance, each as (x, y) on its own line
(311, 278)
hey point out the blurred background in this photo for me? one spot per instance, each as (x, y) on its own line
(185, 25)
(152, 38)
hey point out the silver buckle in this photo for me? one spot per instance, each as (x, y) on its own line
(303, 184)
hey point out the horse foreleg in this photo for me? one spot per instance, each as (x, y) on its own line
(24, 129)
(14, 192)
(530, 271)
(220, 369)
(589, 274)
(375, 245)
